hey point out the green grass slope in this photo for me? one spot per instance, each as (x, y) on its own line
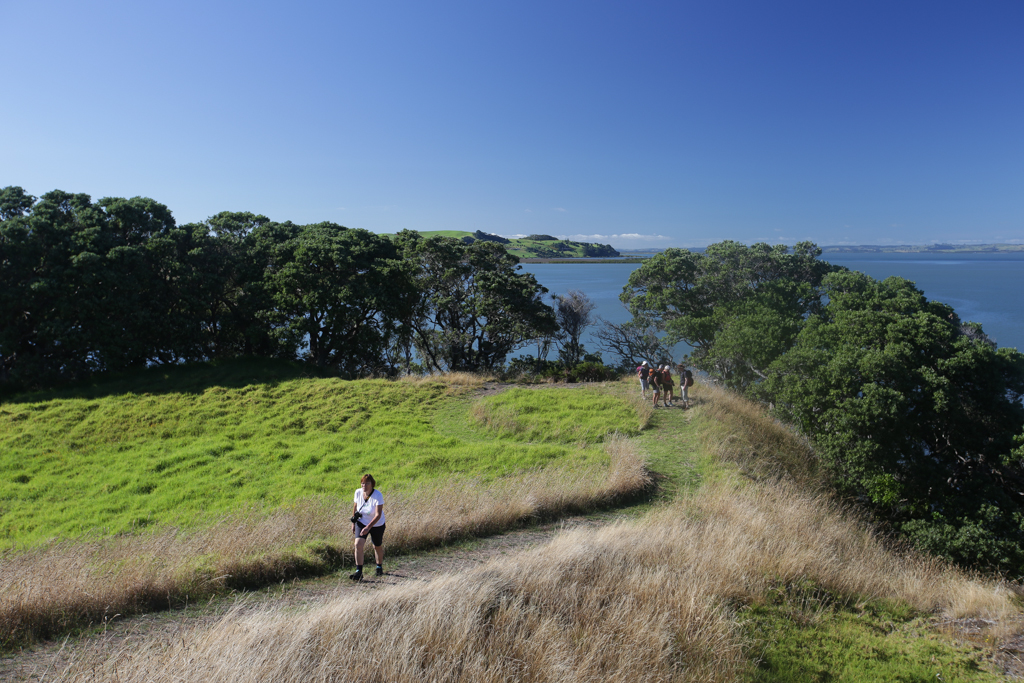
(179, 447)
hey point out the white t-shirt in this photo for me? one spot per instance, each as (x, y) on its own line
(366, 508)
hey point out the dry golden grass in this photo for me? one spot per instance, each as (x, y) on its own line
(736, 430)
(50, 589)
(646, 600)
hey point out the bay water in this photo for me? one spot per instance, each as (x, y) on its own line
(986, 288)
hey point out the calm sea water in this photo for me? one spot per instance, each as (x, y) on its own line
(983, 288)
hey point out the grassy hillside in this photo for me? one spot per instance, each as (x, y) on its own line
(743, 570)
(183, 447)
(740, 567)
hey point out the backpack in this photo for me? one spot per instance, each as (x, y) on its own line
(688, 381)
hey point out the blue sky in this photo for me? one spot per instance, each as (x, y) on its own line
(639, 124)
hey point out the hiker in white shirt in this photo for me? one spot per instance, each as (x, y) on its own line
(368, 520)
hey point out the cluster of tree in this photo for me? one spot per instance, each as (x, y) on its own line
(485, 237)
(591, 250)
(913, 411)
(115, 284)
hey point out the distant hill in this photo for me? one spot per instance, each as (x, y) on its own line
(534, 247)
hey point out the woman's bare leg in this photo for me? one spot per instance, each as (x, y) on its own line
(360, 545)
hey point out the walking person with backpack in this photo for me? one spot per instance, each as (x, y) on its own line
(667, 385)
(685, 382)
(655, 382)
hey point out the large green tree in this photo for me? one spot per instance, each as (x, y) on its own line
(915, 412)
(341, 295)
(83, 287)
(475, 307)
(223, 267)
(739, 307)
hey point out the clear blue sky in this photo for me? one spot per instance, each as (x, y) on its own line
(635, 123)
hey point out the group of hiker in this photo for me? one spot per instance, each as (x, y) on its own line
(658, 379)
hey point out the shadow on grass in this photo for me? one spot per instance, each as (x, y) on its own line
(190, 378)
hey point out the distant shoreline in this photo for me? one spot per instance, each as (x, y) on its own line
(829, 249)
(628, 259)
(924, 249)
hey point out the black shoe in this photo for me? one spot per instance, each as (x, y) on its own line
(356, 575)
(380, 571)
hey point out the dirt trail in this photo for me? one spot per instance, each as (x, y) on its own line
(46, 659)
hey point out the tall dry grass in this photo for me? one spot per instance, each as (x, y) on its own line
(647, 600)
(635, 601)
(734, 429)
(51, 589)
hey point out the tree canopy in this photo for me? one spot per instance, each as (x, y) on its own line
(476, 306)
(115, 284)
(739, 307)
(915, 411)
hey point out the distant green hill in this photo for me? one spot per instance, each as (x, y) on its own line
(534, 248)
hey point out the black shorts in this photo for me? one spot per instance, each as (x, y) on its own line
(376, 533)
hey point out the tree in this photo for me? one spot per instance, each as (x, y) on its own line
(599, 250)
(632, 342)
(573, 312)
(914, 412)
(14, 201)
(341, 294)
(222, 264)
(83, 286)
(738, 307)
(475, 307)
(488, 237)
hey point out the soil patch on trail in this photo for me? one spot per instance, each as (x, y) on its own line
(49, 659)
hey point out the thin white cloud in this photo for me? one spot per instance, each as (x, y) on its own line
(558, 208)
